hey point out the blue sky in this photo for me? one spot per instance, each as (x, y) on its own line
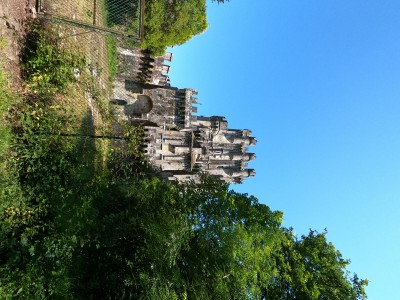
(318, 84)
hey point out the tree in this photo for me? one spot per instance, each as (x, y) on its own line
(76, 224)
(72, 230)
(311, 268)
(170, 23)
(233, 235)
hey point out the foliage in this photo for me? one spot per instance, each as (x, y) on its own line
(170, 23)
(311, 268)
(110, 239)
(48, 66)
(8, 189)
(72, 230)
(126, 157)
(6, 100)
(49, 222)
(112, 57)
(233, 235)
(74, 227)
(123, 14)
(42, 163)
(314, 269)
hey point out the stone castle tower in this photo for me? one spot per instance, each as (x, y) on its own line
(180, 145)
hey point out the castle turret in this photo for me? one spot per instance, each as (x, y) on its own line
(179, 144)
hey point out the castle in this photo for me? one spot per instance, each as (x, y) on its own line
(180, 145)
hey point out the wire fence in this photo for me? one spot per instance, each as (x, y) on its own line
(91, 92)
(120, 17)
(99, 31)
(103, 32)
(95, 29)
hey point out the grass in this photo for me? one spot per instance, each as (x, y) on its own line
(49, 59)
(9, 188)
(7, 98)
(3, 43)
(49, 65)
(112, 57)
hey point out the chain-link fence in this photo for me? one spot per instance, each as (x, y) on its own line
(122, 17)
(97, 31)
(91, 92)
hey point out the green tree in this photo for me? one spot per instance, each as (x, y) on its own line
(233, 235)
(75, 227)
(170, 23)
(311, 268)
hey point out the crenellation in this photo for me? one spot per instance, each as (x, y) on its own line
(178, 143)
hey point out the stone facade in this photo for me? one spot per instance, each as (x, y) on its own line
(179, 144)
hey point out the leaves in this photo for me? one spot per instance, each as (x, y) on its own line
(48, 66)
(75, 227)
(170, 23)
(311, 268)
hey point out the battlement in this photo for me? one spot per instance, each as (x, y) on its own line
(179, 144)
(139, 66)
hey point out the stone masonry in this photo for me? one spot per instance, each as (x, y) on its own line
(179, 144)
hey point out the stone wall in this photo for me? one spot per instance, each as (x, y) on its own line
(179, 144)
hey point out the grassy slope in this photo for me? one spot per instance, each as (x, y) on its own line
(7, 98)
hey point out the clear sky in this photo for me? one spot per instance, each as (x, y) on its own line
(318, 84)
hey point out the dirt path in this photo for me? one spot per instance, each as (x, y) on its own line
(13, 17)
